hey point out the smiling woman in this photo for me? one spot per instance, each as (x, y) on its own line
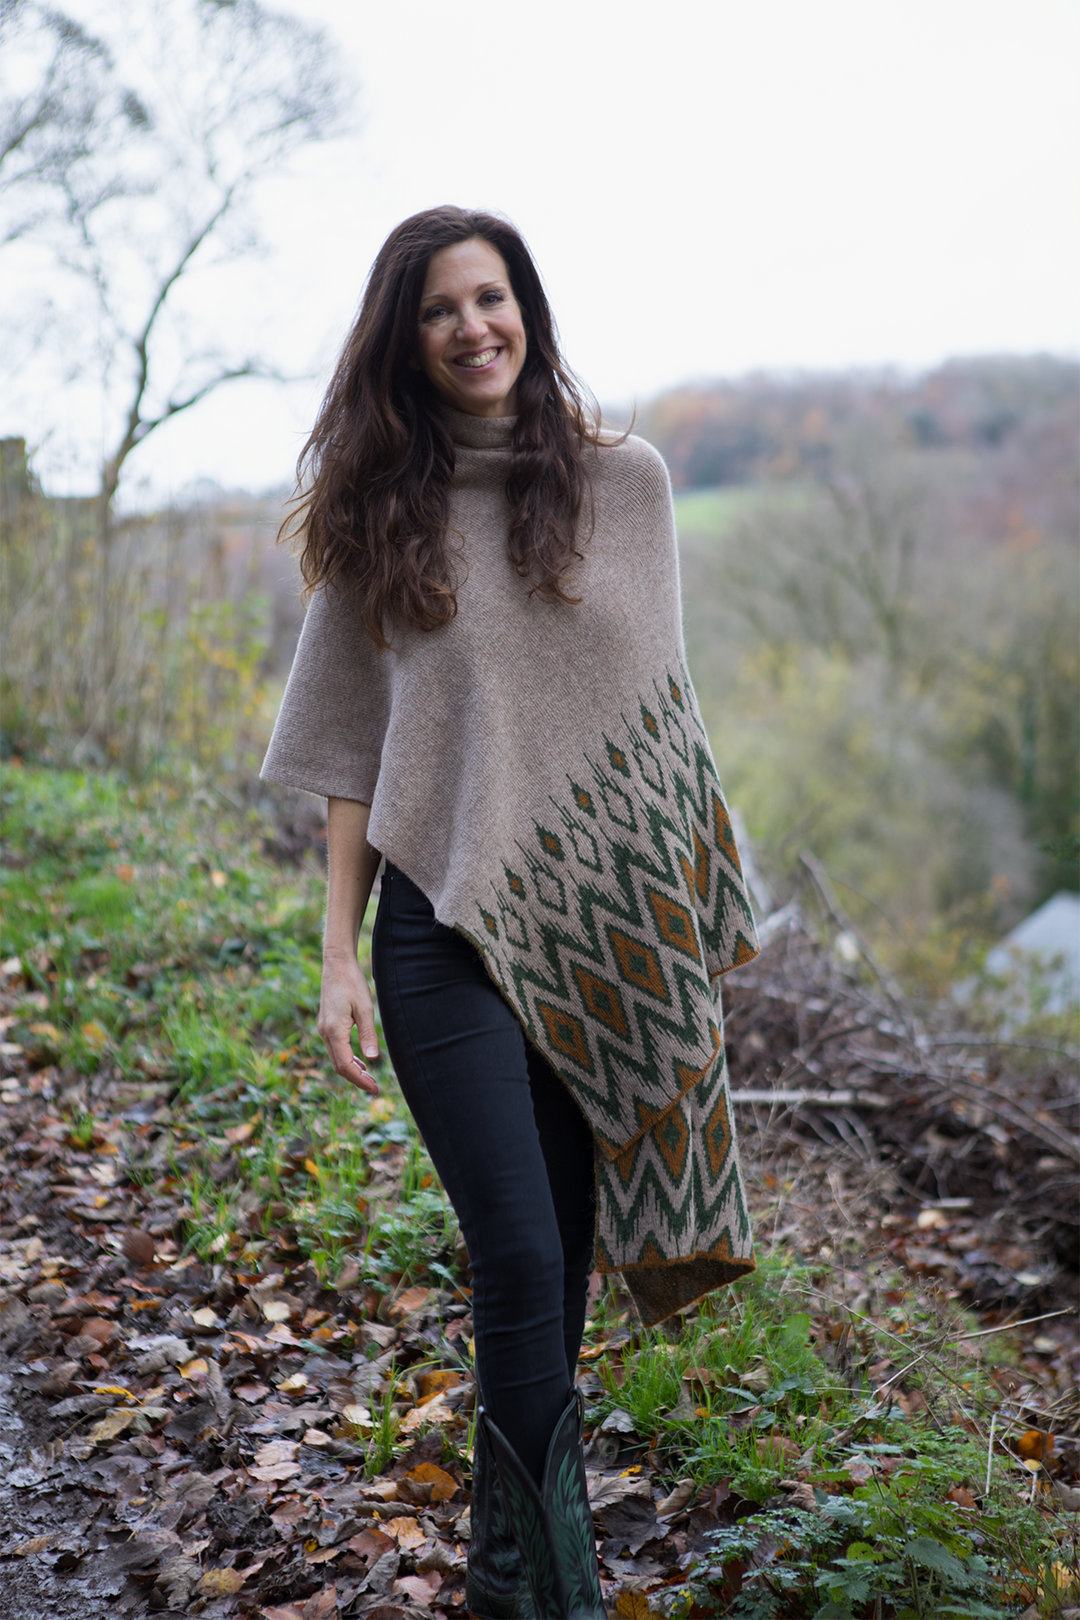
(561, 886)
(472, 340)
(448, 287)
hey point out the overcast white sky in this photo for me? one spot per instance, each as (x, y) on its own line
(709, 186)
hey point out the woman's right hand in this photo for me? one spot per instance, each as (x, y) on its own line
(346, 1002)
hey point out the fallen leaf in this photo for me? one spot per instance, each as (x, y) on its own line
(618, 1422)
(385, 1490)
(239, 1133)
(322, 1606)
(443, 1485)
(962, 1497)
(431, 1411)
(370, 1545)
(251, 1392)
(218, 879)
(289, 1612)
(405, 1531)
(206, 1317)
(858, 1470)
(317, 1438)
(678, 1499)
(197, 1367)
(36, 1544)
(408, 1302)
(111, 1427)
(605, 1490)
(358, 1416)
(125, 872)
(634, 1606)
(799, 1495)
(437, 1381)
(94, 1036)
(1034, 1446)
(275, 1451)
(138, 1248)
(269, 1472)
(221, 1582)
(276, 1310)
(281, 1333)
(419, 1587)
(293, 1384)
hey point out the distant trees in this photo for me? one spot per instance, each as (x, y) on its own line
(884, 625)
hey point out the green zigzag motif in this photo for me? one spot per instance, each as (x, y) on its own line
(605, 935)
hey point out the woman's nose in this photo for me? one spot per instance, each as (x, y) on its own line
(470, 325)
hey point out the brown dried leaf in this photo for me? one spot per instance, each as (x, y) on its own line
(409, 1301)
(323, 1606)
(36, 1544)
(437, 1381)
(111, 1427)
(1034, 1446)
(294, 1384)
(221, 1582)
(139, 1248)
(678, 1499)
(443, 1485)
(406, 1532)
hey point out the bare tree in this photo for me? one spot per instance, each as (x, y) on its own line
(130, 164)
(59, 98)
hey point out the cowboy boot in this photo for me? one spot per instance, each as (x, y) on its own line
(553, 1526)
(495, 1586)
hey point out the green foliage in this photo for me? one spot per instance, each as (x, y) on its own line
(159, 941)
(877, 695)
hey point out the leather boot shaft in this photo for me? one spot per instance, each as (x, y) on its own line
(553, 1525)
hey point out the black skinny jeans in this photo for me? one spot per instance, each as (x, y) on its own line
(512, 1150)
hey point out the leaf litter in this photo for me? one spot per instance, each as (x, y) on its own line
(242, 1428)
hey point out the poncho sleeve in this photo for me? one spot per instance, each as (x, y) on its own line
(329, 733)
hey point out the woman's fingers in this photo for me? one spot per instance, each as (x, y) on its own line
(346, 1001)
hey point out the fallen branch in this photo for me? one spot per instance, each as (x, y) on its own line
(813, 1099)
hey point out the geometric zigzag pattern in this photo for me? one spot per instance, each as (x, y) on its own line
(605, 931)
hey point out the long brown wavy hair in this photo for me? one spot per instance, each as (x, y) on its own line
(373, 480)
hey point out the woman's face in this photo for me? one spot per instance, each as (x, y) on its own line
(471, 340)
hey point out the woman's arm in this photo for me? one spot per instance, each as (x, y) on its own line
(346, 999)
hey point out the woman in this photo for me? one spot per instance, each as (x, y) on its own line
(490, 689)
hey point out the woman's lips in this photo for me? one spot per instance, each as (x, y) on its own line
(479, 361)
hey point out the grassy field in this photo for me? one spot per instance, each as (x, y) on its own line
(802, 1458)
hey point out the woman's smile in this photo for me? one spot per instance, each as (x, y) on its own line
(475, 361)
(471, 340)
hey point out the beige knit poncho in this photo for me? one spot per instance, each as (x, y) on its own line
(541, 772)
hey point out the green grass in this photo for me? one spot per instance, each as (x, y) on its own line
(712, 511)
(160, 944)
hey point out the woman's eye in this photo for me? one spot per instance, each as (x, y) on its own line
(436, 312)
(492, 297)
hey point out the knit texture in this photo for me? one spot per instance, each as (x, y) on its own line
(541, 772)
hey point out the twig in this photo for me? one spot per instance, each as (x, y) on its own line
(990, 1452)
(1008, 1327)
(813, 1099)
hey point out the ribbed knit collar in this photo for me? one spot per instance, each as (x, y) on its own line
(478, 432)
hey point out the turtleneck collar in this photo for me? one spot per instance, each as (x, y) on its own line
(478, 432)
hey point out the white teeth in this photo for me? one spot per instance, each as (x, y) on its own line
(481, 359)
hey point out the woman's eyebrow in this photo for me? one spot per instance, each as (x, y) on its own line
(480, 287)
